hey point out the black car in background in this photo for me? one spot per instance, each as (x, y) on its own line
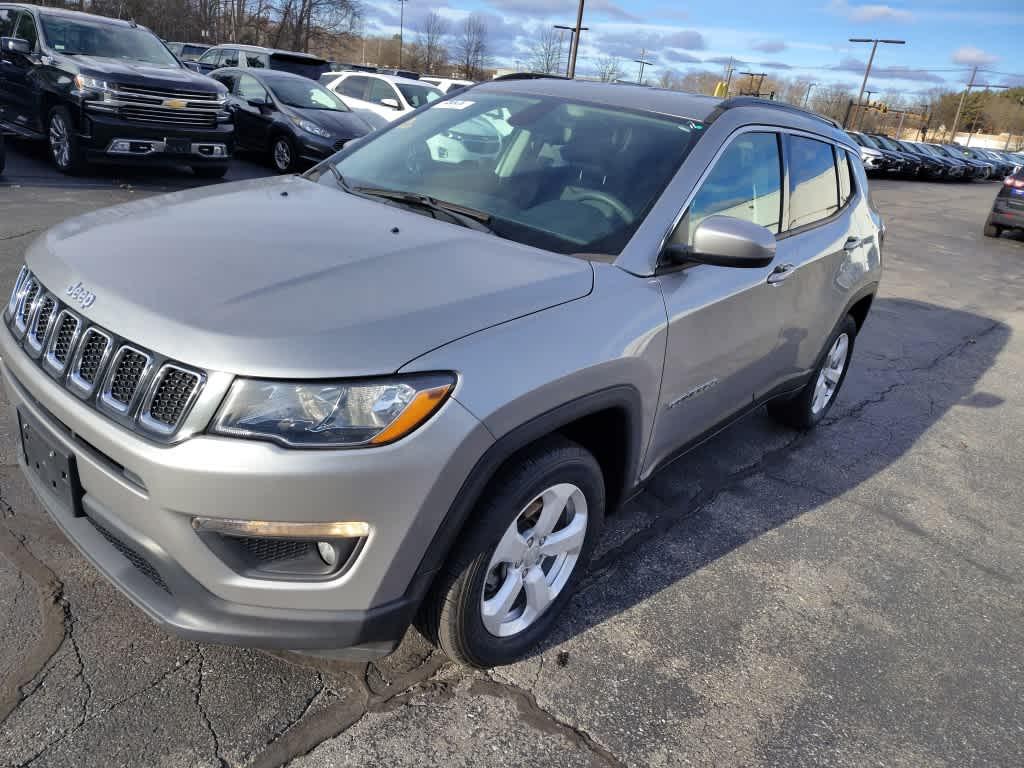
(981, 170)
(896, 164)
(967, 170)
(287, 117)
(188, 51)
(1008, 208)
(100, 89)
(949, 168)
(919, 165)
(255, 57)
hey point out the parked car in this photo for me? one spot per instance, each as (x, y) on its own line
(1003, 167)
(881, 160)
(979, 169)
(388, 96)
(188, 51)
(288, 118)
(100, 89)
(255, 57)
(394, 387)
(918, 166)
(1008, 208)
(946, 167)
(961, 168)
(447, 85)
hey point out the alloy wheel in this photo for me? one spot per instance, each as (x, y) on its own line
(60, 142)
(282, 155)
(830, 374)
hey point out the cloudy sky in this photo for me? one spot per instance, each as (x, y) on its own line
(806, 38)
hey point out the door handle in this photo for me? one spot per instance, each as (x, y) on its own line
(855, 242)
(780, 273)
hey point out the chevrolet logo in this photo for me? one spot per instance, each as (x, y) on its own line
(175, 103)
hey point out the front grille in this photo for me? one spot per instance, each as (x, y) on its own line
(140, 563)
(172, 395)
(165, 93)
(165, 116)
(127, 374)
(192, 108)
(275, 550)
(83, 357)
(340, 145)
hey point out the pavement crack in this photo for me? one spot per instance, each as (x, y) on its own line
(16, 235)
(205, 715)
(536, 716)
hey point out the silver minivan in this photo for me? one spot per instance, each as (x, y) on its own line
(303, 412)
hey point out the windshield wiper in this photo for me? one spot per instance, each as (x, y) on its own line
(339, 178)
(459, 214)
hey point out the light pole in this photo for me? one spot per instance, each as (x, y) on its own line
(807, 96)
(401, 29)
(574, 49)
(963, 98)
(572, 36)
(643, 63)
(874, 47)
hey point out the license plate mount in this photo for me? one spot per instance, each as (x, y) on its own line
(56, 470)
(178, 146)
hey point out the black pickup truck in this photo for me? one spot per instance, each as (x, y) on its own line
(105, 90)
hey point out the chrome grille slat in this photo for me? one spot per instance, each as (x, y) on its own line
(124, 90)
(112, 375)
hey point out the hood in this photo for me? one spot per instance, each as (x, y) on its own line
(145, 75)
(296, 279)
(342, 125)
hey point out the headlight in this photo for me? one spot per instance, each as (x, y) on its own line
(335, 414)
(87, 83)
(313, 128)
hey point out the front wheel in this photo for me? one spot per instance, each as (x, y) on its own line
(521, 559)
(810, 404)
(282, 154)
(64, 149)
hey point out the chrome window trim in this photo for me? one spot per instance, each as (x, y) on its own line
(34, 345)
(50, 361)
(146, 419)
(76, 383)
(106, 399)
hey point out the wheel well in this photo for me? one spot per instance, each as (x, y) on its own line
(859, 311)
(606, 434)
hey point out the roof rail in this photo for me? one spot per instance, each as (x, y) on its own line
(530, 76)
(754, 101)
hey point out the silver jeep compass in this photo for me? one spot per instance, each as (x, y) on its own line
(304, 412)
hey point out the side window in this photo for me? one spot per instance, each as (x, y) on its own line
(211, 57)
(250, 89)
(228, 80)
(26, 29)
(354, 87)
(845, 177)
(7, 19)
(380, 90)
(813, 185)
(230, 58)
(256, 60)
(746, 183)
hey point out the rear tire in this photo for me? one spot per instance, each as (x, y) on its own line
(992, 230)
(521, 557)
(810, 405)
(64, 149)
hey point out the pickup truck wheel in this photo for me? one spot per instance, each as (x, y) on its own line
(282, 154)
(64, 150)
(811, 403)
(520, 561)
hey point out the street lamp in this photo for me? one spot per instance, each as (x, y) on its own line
(807, 96)
(874, 47)
(572, 33)
(401, 29)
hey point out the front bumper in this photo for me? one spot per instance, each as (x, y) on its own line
(99, 132)
(144, 496)
(315, 148)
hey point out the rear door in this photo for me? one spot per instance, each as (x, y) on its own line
(252, 121)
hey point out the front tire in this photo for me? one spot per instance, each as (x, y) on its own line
(283, 157)
(521, 559)
(810, 405)
(64, 150)
(991, 230)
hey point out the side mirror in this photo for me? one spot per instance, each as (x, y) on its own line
(15, 45)
(726, 242)
(393, 103)
(261, 104)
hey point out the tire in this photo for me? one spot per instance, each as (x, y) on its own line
(283, 158)
(991, 230)
(803, 410)
(210, 171)
(510, 509)
(65, 153)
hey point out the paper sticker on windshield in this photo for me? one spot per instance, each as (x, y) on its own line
(454, 104)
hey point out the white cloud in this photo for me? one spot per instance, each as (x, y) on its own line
(769, 46)
(970, 56)
(862, 13)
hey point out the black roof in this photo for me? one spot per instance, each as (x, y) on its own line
(48, 11)
(272, 51)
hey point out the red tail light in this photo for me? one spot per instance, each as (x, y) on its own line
(1012, 182)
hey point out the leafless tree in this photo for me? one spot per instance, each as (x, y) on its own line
(432, 52)
(471, 47)
(608, 68)
(546, 54)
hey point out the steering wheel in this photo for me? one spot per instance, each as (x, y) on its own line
(605, 203)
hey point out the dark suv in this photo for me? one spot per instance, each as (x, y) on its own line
(104, 89)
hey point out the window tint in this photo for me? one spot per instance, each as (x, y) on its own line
(211, 57)
(7, 19)
(250, 89)
(354, 87)
(227, 79)
(845, 177)
(813, 186)
(26, 29)
(418, 95)
(191, 51)
(230, 58)
(380, 90)
(746, 183)
(256, 60)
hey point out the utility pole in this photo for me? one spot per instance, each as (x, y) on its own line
(963, 98)
(871, 60)
(572, 35)
(807, 95)
(728, 75)
(643, 63)
(401, 29)
(576, 41)
(760, 81)
(899, 128)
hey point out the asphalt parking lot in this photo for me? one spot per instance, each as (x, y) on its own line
(847, 597)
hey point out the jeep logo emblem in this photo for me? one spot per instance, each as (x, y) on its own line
(80, 295)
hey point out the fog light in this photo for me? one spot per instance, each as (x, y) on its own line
(121, 146)
(328, 553)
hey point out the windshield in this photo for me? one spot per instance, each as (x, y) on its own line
(886, 143)
(418, 95)
(556, 174)
(865, 141)
(111, 41)
(305, 94)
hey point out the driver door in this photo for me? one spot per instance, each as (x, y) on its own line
(15, 69)
(253, 121)
(723, 322)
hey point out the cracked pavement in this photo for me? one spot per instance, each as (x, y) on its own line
(845, 597)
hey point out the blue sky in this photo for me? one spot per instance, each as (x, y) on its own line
(795, 38)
